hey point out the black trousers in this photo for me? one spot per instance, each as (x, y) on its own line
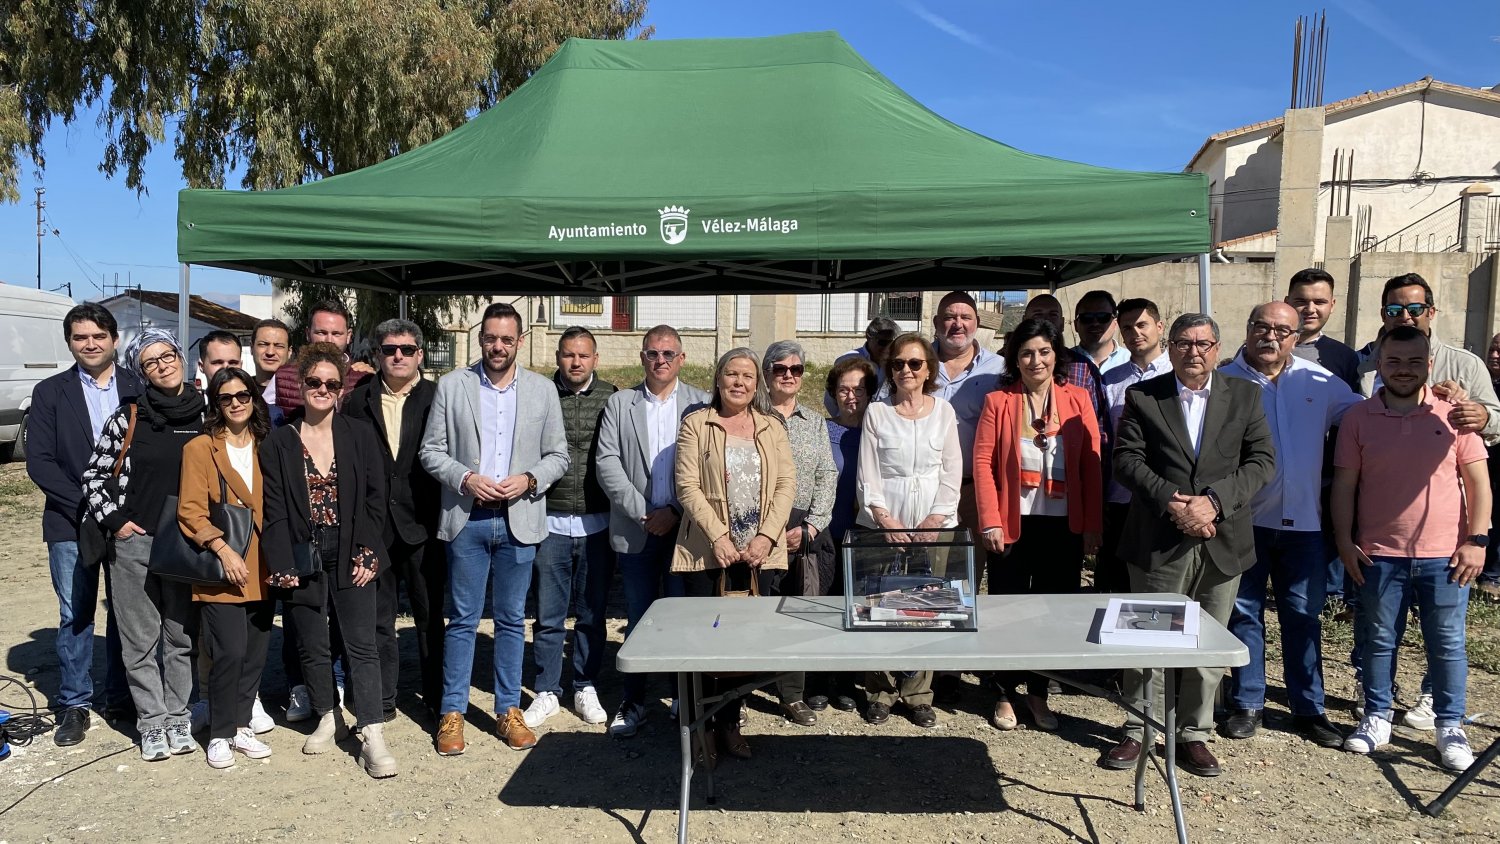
(236, 637)
(424, 571)
(291, 660)
(705, 584)
(1110, 572)
(354, 611)
(1047, 559)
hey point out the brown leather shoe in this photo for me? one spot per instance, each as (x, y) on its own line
(1121, 756)
(1194, 757)
(511, 728)
(450, 734)
(799, 713)
(733, 743)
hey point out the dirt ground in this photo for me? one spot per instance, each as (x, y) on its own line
(840, 781)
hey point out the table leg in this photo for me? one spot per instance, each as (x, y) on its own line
(1148, 740)
(1170, 693)
(704, 737)
(685, 735)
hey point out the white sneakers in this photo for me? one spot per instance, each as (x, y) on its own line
(299, 704)
(1374, 732)
(260, 721)
(1453, 749)
(221, 751)
(627, 720)
(586, 705)
(220, 754)
(542, 707)
(1421, 716)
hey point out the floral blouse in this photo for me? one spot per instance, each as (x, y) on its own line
(742, 480)
(323, 503)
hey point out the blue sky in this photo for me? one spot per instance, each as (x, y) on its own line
(1131, 85)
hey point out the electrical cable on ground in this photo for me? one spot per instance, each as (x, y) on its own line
(33, 721)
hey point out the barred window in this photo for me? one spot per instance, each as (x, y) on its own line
(900, 306)
(440, 351)
(581, 306)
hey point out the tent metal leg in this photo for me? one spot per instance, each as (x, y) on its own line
(1148, 740)
(1205, 289)
(184, 293)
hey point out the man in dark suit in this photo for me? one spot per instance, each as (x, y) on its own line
(68, 411)
(397, 404)
(1193, 448)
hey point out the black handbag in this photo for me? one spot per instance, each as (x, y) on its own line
(307, 557)
(176, 557)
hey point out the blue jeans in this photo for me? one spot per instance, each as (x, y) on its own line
(1442, 606)
(485, 553)
(645, 577)
(1293, 562)
(77, 589)
(572, 576)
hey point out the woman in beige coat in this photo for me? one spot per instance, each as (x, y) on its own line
(735, 482)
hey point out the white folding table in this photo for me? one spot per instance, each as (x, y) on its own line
(769, 637)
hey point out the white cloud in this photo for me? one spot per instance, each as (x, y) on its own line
(942, 24)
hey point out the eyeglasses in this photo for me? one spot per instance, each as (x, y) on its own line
(1261, 329)
(406, 349)
(1201, 347)
(914, 364)
(655, 355)
(1095, 318)
(242, 397)
(329, 385)
(161, 360)
(793, 369)
(1416, 309)
(844, 392)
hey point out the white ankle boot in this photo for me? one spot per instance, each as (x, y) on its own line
(373, 755)
(330, 730)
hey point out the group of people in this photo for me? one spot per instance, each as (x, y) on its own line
(1179, 473)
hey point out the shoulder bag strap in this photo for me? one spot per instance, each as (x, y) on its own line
(125, 446)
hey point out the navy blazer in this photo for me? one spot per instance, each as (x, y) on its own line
(59, 443)
(414, 494)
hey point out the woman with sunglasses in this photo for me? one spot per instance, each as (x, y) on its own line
(325, 497)
(910, 469)
(134, 468)
(218, 467)
(810, 551)
(1038, 483)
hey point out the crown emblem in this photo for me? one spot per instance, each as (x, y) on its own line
(674, 224)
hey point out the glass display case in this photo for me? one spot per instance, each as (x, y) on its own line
(909, 580)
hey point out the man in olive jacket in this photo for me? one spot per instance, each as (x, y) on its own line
(574, 564)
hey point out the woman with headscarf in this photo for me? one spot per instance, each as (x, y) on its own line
(134, 468)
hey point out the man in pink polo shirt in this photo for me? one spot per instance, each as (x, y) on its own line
(1423, 516)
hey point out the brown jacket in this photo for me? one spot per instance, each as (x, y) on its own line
(705, 502)
(204, 461)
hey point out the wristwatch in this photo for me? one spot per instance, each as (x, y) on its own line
(530, 484)
(1479, 539)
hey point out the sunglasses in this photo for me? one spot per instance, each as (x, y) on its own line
(1416, 309)
(656, 354)
(914, 364)
(242, 397)
(330, 385)
(1040, 426)
(406, 349)
(779, 369)
(1095, 318)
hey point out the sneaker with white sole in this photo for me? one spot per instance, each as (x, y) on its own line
(627, 720)
(260, 720)
(198, 716)
(245, 742)
(1421, 716)
(180, 739)
(1453, 748)
(542, 707)
(154, 746)
(220, 754)
(299, 704)
(586, 705)
(1374, 732)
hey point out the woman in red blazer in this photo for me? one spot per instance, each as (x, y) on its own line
(1039, 487)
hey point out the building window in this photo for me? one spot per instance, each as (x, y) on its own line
(898, 306)
(440, 352)
(582, 305)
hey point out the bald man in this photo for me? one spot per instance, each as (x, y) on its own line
(1302, 401)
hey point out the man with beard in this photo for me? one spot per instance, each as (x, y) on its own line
(328, 322)
(495, 441)
(1094, 320)
(1302, 402)
(1418, 488)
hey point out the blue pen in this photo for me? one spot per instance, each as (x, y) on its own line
(716, 620)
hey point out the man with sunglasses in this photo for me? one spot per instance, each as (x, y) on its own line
(1302, 402)
(1094, 321)
(398, 403)
(637, 447)
(1193, 449)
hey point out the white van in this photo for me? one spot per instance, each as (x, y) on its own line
(31, 348)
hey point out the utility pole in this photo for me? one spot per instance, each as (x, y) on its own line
(41, 231)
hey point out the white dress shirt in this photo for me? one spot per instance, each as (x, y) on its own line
(497, 425)
(662, 422)
(1194, 403)
(1116, 382)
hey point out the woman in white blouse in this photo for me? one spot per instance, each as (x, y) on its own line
(910, 468)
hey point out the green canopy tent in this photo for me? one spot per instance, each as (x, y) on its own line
(760, 165)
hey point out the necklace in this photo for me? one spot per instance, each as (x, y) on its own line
(1039, 423)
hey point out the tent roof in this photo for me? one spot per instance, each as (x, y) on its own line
(724, 165)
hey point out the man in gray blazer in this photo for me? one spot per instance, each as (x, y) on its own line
(637, 445)
(495, 442)
(1193, 448)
